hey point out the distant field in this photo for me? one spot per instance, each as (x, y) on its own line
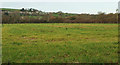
(60, 43)
(7, 9)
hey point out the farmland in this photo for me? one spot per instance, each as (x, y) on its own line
(59, 43)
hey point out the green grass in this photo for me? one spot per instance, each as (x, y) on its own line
(60, 43)
(63, 15)
(9, 9)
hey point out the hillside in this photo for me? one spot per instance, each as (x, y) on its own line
(9, 9)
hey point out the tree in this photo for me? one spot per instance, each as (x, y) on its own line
(22, 9)
(60, 13)
(101, 17)
(101, 13)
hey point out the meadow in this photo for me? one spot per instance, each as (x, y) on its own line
(60, 43)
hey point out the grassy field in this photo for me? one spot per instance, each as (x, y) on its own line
(8, 9)
(60, 43)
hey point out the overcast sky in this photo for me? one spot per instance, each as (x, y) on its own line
(70, 6)
(59, 0)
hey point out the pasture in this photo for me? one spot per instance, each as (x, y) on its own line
(60, 43)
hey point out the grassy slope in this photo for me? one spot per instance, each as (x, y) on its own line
(50, 43)
(56, 15)
(8, 9)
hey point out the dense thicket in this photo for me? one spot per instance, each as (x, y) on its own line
(35, 16)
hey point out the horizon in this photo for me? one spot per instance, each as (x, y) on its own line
(66, 7)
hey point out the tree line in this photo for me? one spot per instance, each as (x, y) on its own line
(35, 16)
